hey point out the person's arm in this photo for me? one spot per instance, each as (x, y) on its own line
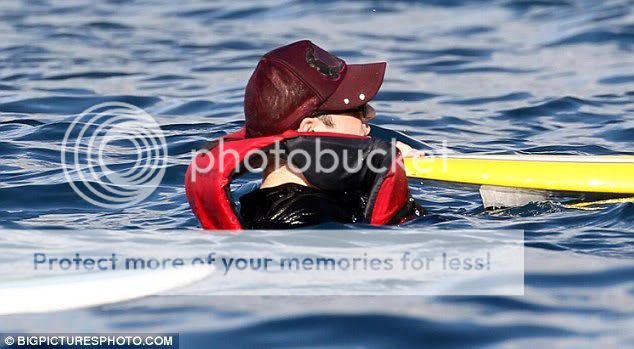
(407, 151)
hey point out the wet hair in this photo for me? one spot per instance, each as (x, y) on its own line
(327, 120)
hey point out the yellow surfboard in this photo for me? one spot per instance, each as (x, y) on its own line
(571, 173)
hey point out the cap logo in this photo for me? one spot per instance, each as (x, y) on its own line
(326, 64)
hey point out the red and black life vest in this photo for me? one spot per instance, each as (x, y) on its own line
(207, 179)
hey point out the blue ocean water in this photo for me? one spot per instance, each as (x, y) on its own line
(506, 76)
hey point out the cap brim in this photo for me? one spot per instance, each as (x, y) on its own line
(359, 86)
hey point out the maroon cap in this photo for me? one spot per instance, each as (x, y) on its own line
(297, 80)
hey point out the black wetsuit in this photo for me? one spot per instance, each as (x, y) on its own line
(293, 206)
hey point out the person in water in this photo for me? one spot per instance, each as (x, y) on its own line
(275, 103)
(305, 98)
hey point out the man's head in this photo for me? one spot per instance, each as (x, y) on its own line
(354, 122)
(300, 86)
